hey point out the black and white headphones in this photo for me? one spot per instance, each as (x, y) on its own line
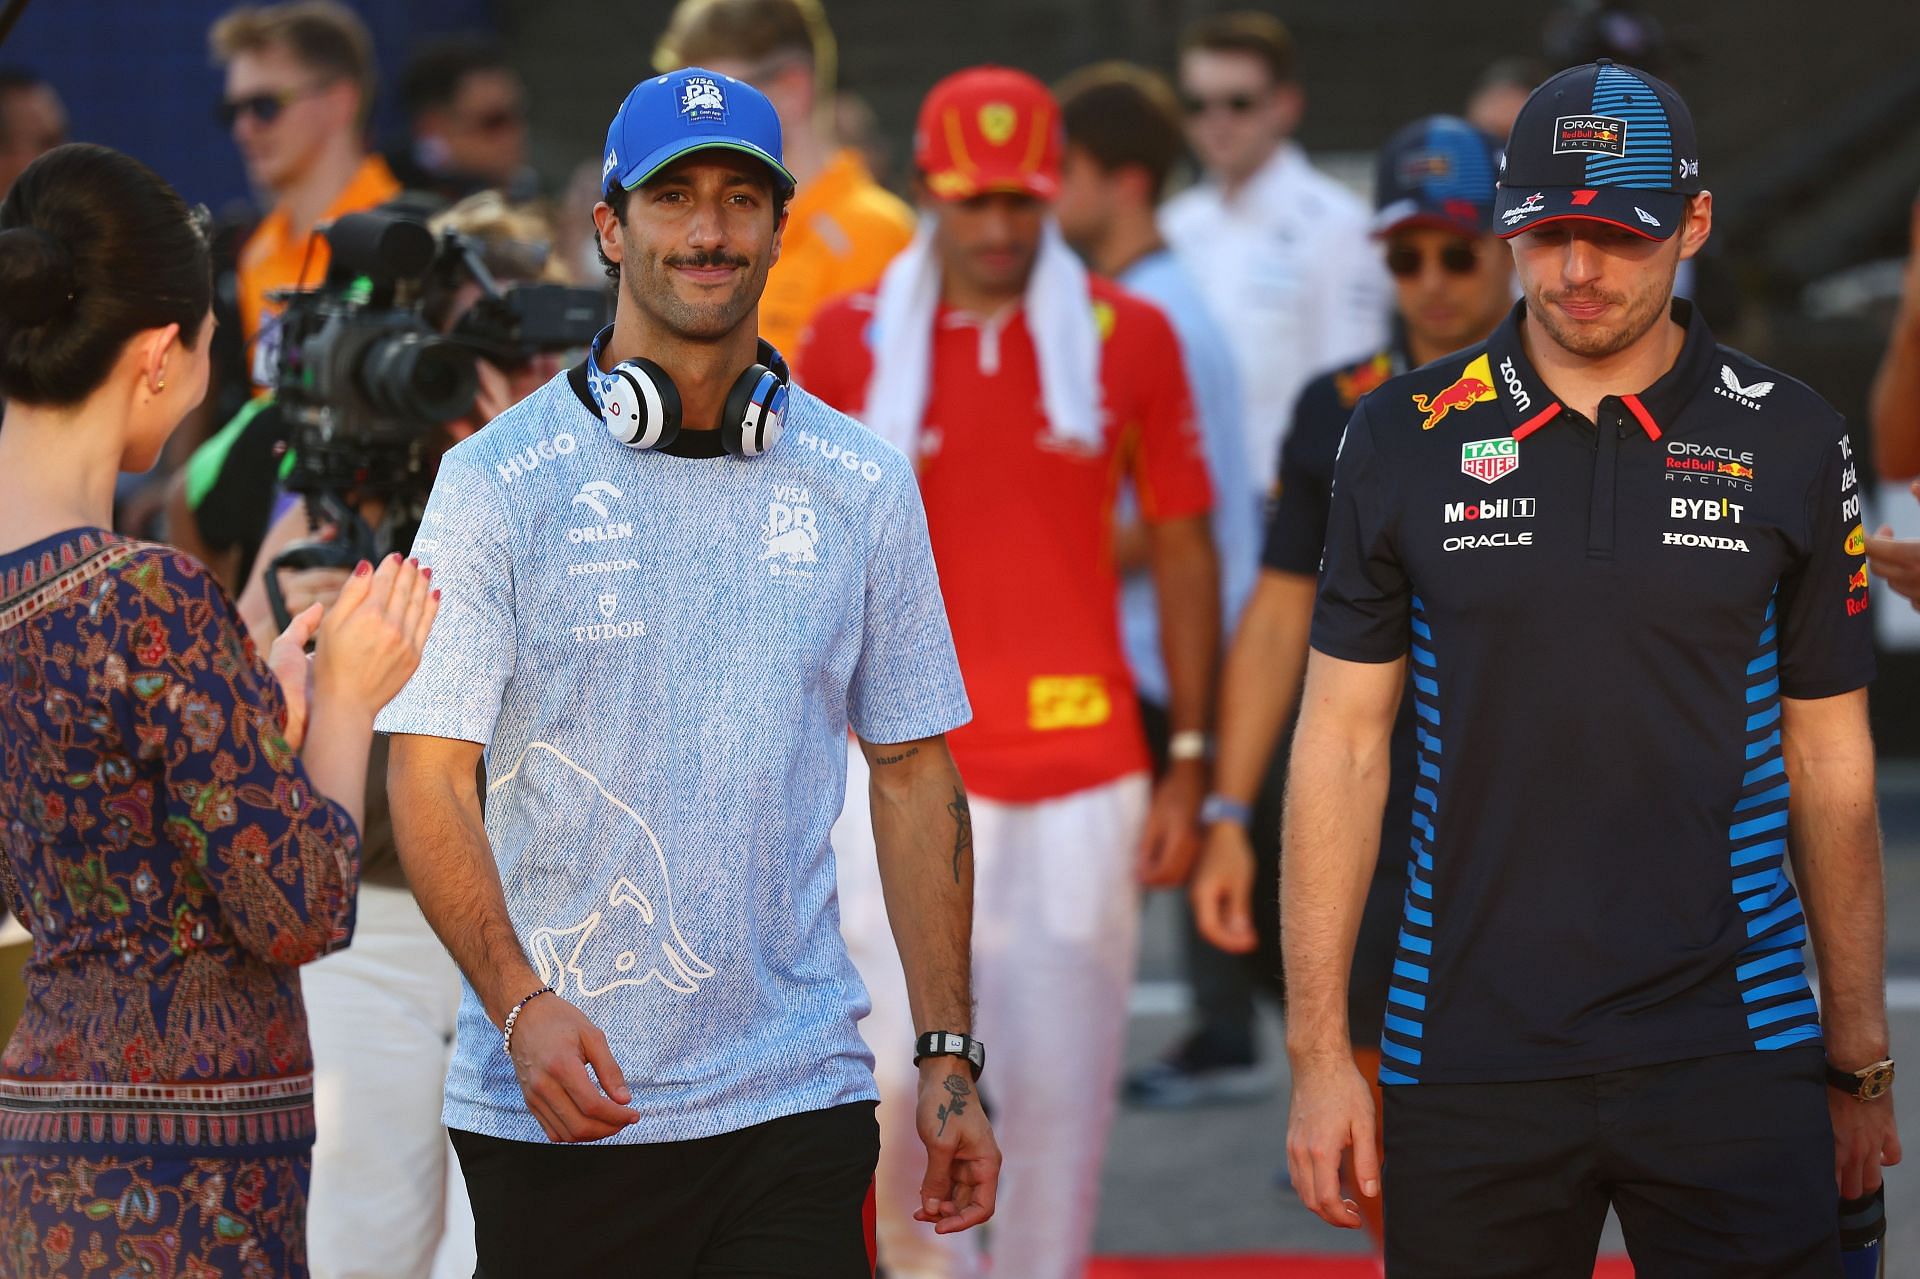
(641, 406)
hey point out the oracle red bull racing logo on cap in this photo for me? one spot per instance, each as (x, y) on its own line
(1596, 134)
(1489, 460)
(1473, 386)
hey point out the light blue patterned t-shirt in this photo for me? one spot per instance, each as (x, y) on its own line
(663, 656)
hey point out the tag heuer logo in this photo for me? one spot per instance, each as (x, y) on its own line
(1489, 460)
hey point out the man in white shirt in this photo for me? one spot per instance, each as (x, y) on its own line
(1279, 250)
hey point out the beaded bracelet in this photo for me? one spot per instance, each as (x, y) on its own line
(513, 1015)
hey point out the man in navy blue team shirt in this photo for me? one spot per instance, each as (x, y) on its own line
(1626, 567)
(1453, 282)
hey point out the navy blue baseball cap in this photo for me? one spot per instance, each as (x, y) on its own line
(689, 110)
(1602, 141)
(1437, 172)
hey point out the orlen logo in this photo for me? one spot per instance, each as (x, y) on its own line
(1511, 376)
(1505, 508)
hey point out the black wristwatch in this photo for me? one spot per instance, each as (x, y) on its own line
(1866, 1084)
(945, 1043)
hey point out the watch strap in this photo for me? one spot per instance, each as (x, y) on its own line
(947, 1043)
(1865, 1084)
(1219, 808)
(1189, 744)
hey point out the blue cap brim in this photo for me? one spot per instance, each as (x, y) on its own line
(661, 157)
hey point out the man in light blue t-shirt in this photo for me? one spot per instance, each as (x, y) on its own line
(671, 585)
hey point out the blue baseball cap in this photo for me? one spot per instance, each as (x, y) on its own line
(1604, 142)
(1440, 172)
(689, 110)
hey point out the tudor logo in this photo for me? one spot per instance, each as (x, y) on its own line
(608, 603)
(1511, 376)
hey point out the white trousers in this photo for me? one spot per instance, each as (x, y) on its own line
(387, 1201)
(1056, 915)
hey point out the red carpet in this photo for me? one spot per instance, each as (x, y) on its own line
(1273, 1266)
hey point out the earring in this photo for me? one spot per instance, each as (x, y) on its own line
(161, 385)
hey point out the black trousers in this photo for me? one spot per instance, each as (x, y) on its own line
(1718, 1168)
(787, 1199)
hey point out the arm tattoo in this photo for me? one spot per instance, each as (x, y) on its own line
(958, 1090)
(962, 830)
(908, 753)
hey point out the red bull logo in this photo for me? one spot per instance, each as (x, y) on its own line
(1858, 582)
(1353, 383)
(1735, 469)
(1474, 386)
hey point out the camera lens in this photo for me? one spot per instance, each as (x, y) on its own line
(418, 376)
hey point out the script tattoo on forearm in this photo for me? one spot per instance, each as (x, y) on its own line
(958, 1090)
(962, 830)
(884, 760)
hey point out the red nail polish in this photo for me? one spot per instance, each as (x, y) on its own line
(427, 573)
(436, 594)
(395, 557)
(363, 569)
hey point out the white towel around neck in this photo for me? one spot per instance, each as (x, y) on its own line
(1059, 314)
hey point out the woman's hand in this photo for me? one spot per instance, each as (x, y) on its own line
(287, 659)
(370, 640)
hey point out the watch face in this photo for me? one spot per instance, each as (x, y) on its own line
(1876, 1081)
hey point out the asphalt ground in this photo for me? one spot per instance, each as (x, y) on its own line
(1213, 1180)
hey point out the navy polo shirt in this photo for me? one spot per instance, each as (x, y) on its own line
(1602, 618)
(1296, 540)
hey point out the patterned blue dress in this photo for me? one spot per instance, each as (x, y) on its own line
(164, 847)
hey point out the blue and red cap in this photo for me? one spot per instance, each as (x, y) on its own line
(1605, 142)
(1437, 172)
(690, 110)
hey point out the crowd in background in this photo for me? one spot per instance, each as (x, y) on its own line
(1280, 296)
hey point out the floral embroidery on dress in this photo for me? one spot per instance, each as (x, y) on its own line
(163, 845)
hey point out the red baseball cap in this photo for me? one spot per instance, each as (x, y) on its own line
(989, 129)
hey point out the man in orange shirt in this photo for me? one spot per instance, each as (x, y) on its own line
(842, 227)
(1025, 391)
(300, 80)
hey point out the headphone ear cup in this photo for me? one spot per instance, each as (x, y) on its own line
(750, 423)
(642, 407)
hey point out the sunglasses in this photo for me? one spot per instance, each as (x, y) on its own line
(264, 107)
(1407, 262)
(1231, 103)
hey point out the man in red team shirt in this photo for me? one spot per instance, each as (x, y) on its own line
(1025, 391)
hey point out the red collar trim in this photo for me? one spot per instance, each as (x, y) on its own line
(1639, 411)
(1537, 421)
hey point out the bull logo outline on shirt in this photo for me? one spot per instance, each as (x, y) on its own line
(558, 954)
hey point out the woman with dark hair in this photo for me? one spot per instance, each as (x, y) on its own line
(168, 841)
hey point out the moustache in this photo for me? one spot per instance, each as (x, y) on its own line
(1578, 295)
(706, 261)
